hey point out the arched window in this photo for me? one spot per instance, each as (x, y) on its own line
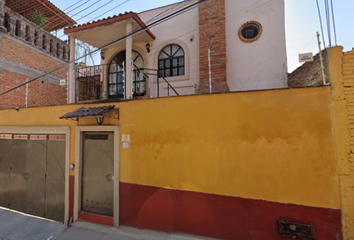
(116, 77)
(171, 61)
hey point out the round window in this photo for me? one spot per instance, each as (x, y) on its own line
(250, 31)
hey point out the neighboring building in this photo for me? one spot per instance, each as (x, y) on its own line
(27, 51)
(245, 39)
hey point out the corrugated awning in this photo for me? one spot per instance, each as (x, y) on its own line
(89, 112)
(56, 18)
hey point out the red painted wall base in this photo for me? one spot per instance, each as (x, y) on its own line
(95, 218)
(218, 216)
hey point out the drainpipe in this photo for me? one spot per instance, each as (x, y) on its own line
(71, 79)
(128, 61)
(210, 87)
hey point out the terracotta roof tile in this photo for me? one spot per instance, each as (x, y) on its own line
(108, 21)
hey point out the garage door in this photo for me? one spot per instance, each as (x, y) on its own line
(32, 178)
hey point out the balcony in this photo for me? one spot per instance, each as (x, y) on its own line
(26, 31)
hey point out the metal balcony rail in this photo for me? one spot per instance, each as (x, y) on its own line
(158, 82)
(90, 79)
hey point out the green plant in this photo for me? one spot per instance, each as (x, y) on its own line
(38, 18)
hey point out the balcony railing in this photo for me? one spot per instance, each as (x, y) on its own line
(23, 29)
(91, 80)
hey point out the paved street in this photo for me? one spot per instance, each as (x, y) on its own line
(17, 226)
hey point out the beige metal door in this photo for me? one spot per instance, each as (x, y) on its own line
(97, 173)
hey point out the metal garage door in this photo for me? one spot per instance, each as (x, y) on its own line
(32, 178)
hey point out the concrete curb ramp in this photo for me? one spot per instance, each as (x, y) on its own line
(18, 226)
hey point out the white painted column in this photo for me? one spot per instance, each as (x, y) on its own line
(71, 80)
(128, 61)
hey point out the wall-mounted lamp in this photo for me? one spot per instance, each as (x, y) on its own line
(99, 120)
(102, 55)
(72, 166)
(148, 47)
(17, 109)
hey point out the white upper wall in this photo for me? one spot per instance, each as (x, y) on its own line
(183, 30)
(260, 64)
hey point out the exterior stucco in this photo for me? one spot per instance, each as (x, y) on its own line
(260, 64)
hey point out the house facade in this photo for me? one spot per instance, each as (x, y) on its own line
(246, 164)
(204, 46)
(28, 51)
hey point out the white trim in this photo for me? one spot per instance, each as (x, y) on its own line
(78, 169)
(50, 130)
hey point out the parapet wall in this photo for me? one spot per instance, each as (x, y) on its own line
(23, 29)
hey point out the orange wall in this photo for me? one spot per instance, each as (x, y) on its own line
(272, 145)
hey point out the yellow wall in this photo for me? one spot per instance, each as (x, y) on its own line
(341, 67)
(272, 145)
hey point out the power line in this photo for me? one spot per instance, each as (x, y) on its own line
(319, 14)
(118, 40)
(334, 24)
(328, 20)
(96, 9)
(86, 8)
(72, 5)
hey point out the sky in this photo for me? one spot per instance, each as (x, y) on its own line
(301, 20)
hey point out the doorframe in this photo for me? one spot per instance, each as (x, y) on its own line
(78, 167)
(49, 130)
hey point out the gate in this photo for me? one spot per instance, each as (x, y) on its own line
(32, 177)
(97, 172)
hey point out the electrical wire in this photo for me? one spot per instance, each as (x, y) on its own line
(96, 10)
(328, 22)
(319, 14)
(107, 45)
(334, 24)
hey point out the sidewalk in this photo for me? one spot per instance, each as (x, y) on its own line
(89, 231)
(18, 226)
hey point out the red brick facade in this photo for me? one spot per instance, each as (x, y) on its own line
(39, 93)
(22, 54)
(212, 35)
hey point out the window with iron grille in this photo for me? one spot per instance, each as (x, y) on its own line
(171, 61)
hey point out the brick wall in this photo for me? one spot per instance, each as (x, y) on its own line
(212, 35)
(310, 73)
(20, 53)
(40, 93)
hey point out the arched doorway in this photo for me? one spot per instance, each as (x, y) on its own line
(116, 75)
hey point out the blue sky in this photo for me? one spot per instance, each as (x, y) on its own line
(301, 20)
